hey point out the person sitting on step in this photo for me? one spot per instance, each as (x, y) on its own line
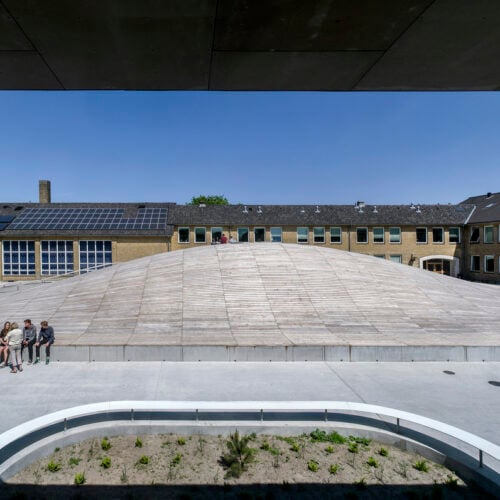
(46, 336)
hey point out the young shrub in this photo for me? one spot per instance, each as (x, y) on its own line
(333, 469)
(106, 462)
(353, 447)
(372, 462)
(181, 441)
(421, 465)
(329, 449)
(80, 478)
(295, 447)
(360, 440)
(56, 450)
(318, 436)
(313, 466)
(138, 443)
(383, 452)
(74, 461)
(176, 460)
(105, 444)
(144, 460)
(53, 466)
(451, 482)
(239, 455)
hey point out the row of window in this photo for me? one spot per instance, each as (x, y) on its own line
(488, 234)
(56, 257)
(488, 263)
(319, 235)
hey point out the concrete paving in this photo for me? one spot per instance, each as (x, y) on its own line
(263, 302)
(465, 399)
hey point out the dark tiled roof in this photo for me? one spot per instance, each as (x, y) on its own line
(323, 215)
(127, 211)
(487, 208)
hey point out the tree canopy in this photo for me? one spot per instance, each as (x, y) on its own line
(209, 200)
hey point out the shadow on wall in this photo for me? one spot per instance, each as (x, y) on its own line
(252, 491)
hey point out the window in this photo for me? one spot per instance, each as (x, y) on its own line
(474, 235)
(56, 257)
(243, 234)
(302, 235)
(396, 258)
(362, 235)
(183, 235)
(18, 258)
(259, 234)
(380, 256)
(437, 235)
(475, 263)
(489, 263)
(378, 235)
(454, 234)
(216, 234)
(395, 234)
(95, 255)
(276, 234)
(336, 235)
(488, 234)
(319, 234)
(421, 234)
(200, 235)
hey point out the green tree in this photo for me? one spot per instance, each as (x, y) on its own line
(209, 200)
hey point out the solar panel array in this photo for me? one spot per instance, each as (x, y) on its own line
(5, 220)
(89, 219)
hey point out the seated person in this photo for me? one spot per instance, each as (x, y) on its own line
(46, 336)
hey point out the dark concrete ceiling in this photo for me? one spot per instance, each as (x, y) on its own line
(250, 44)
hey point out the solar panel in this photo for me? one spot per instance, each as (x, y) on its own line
(90, 219)
(6, 218)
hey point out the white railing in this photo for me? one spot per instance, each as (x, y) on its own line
(115, 411)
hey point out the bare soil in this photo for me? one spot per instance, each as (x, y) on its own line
(192, 467)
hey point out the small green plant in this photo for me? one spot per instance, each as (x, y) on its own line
(53, 466)
(353, 447)
(421, 465)
(267, 447)
(57, 449)
(138, 443)
(165, 444)
(239, 455)
(176, 460)
(144, 460)
(329, 449)
(80, 478)
(123, 475)
(106, 462)
(383, 452)
(451, 481)
(181, 441)
(372, 462)
(360, 440)
(333, 469)
(74, 461)
(361, 484)
(323, 437)
(105, 444)
(295, 447)
(313, 466)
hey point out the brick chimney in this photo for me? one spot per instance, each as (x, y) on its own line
(44, 191)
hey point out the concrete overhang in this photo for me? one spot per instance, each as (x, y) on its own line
(250, 45)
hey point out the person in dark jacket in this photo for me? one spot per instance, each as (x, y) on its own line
(46, 336)
(29, 339)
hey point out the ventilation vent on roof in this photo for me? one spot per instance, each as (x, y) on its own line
(18, 208)
(245, 209)
(418, 210)
(488, 195)
(375, 211)
(141, 206)
(317, 211)
(302, 211)
(259, 210)
(412, 206)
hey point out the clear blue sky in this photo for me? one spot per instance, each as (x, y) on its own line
(254, 148)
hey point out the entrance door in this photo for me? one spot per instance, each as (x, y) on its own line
(440, 266)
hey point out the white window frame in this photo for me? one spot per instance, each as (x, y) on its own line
(398, 242)
(68, 267)
(95, 251)
(383, 235)
(238, 233)
(29, 272)
(273, 236)
(216, 229)
(340, 236)
(254, 231)
(492, 259)
(323, 237)
(442, 236)
(478, 270)
(179, 236)
(357, 239)
(392, 258)
(492, 234)
(379, 255)
(307, 235)
(426, 236)
(204, 235)
(459, 235)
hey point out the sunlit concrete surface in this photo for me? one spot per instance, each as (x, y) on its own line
(271, 296)
(242, 45)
